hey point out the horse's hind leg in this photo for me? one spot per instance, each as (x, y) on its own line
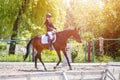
(42, 62)
(33, 57)
(59, 56)
(38, 56)
(36, 60)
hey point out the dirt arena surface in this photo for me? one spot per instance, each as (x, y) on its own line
(80, 71)
(28, 67)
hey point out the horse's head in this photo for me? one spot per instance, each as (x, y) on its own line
(76, 34)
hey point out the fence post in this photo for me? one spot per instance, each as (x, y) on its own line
(93, 50)
(85, 49)
(89, 51)
(101, 45)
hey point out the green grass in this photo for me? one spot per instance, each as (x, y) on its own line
(51, 56)
(103, 58)
(10, 58)
(47, 56)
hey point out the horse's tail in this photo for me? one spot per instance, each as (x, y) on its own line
(27, 49)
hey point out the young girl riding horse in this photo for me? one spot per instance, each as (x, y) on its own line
(50, 30)
(59, 45)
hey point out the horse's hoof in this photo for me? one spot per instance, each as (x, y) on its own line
(55, 67)
(70, 69)
(36, 68)
(45, 69)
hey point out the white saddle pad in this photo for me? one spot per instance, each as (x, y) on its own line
(44, 39)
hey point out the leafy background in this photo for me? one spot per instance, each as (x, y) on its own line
(23, 19)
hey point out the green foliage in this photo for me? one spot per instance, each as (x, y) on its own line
(80, 58)
(111, 16)
(8, 12)
(103, 58)
(34, 18)
(33, 13)
(10, 58)
(95, 18)
(74, 52)
(77, 52)
(3, 46)
(88, 36)
(117, 59)
(49, 56)
(87, 15)
(23, 19)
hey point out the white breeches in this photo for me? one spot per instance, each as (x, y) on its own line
(51, 33)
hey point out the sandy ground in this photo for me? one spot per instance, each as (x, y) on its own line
(27, 71)
(28, 67)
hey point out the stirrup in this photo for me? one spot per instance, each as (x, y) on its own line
(50, 48)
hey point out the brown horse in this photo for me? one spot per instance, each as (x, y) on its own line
(59, 45)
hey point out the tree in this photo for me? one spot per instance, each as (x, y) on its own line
(26, 18)
(86, 15)
(8, 13)
(21, 11)
(112, 29)
(40, 9)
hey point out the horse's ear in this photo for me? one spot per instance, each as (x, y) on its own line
(75, 28)
(78, 29)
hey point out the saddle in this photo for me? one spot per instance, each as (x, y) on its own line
(44, 38)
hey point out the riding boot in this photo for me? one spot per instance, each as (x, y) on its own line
(50, 44)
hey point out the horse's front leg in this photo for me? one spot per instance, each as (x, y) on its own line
(67, 59)
(59, 56)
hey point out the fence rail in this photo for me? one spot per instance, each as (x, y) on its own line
(107, 39)
(12, 40)
(20, 50)
(102, 46)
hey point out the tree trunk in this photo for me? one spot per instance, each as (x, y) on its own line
(14, 34)
(15, 27)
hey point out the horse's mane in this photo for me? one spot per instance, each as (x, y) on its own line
(64, 33)
(66, 30)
